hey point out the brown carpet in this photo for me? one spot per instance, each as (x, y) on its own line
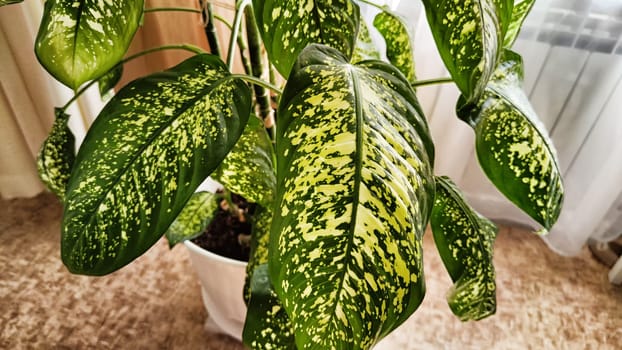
(544, 301)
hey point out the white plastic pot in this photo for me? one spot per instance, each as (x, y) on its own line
(222, 285)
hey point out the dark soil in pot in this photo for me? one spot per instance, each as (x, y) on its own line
(228, 235)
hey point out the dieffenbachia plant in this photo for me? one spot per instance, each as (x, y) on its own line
(343, 180)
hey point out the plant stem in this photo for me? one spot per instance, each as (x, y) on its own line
(240, 6)
(419, 83)
(207, 15)
(262, 95)
(256, 81)
(177, 9)
(186, 47)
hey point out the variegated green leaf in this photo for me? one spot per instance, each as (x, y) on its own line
(267, 325)
(56, 156)
(193, 219)
(143, 158)
(8, 2)
(354, 193)
(109, 80)
(465, 241)
(79, 40)
(513, 147)
(469, 36)
(364, 48)
(248, 169)
(399, 49)
(519, 13)
(288, 26)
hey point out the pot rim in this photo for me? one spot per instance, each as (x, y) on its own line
(206, 253)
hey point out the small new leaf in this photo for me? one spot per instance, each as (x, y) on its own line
(464, 240)
(144, 156)
(260, 240)
(56, 156)
(248, 169)
(399, 48)
(513, 147)
(288, 26)
(79, 40)
(193, 219)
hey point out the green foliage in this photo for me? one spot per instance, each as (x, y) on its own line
(397, 39)
(288, 26)
(464, 240)
(144, 156)
(56, 155)
(194, 218)
(345, 250)
(248, 169)
(344, 188)
(469, 35)
(513, 148)
(80, 40)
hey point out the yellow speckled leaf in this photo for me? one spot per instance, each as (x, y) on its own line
(287, 26)
(248, 169)
(469, 36)
(80, 40)
(354, 193)
(513, 147)
(397, 39)
(520, 12)
(193, 219)
(364, 48)
(143, 158)
(464, 240)
(56, 155)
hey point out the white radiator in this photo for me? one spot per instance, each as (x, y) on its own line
(573, 75)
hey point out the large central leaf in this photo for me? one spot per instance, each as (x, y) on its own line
(354, 192)
(144, 156)
(80, 40)
(287, 26)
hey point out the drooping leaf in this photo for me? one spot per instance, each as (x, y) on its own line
(469, 36)
(513, 147)
(267, 325)
(399, 49)
(519, 13)
(143, 158)
(193, 219)
(354, 193)
(364, 48)
(56, 156)
(248, 169)
(79, 40)
(465, 240)
(288, 26)
(110, 79)
(8, 2)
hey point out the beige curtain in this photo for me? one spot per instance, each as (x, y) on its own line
(28, 94)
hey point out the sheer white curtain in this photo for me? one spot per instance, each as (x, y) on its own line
(573, 74)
